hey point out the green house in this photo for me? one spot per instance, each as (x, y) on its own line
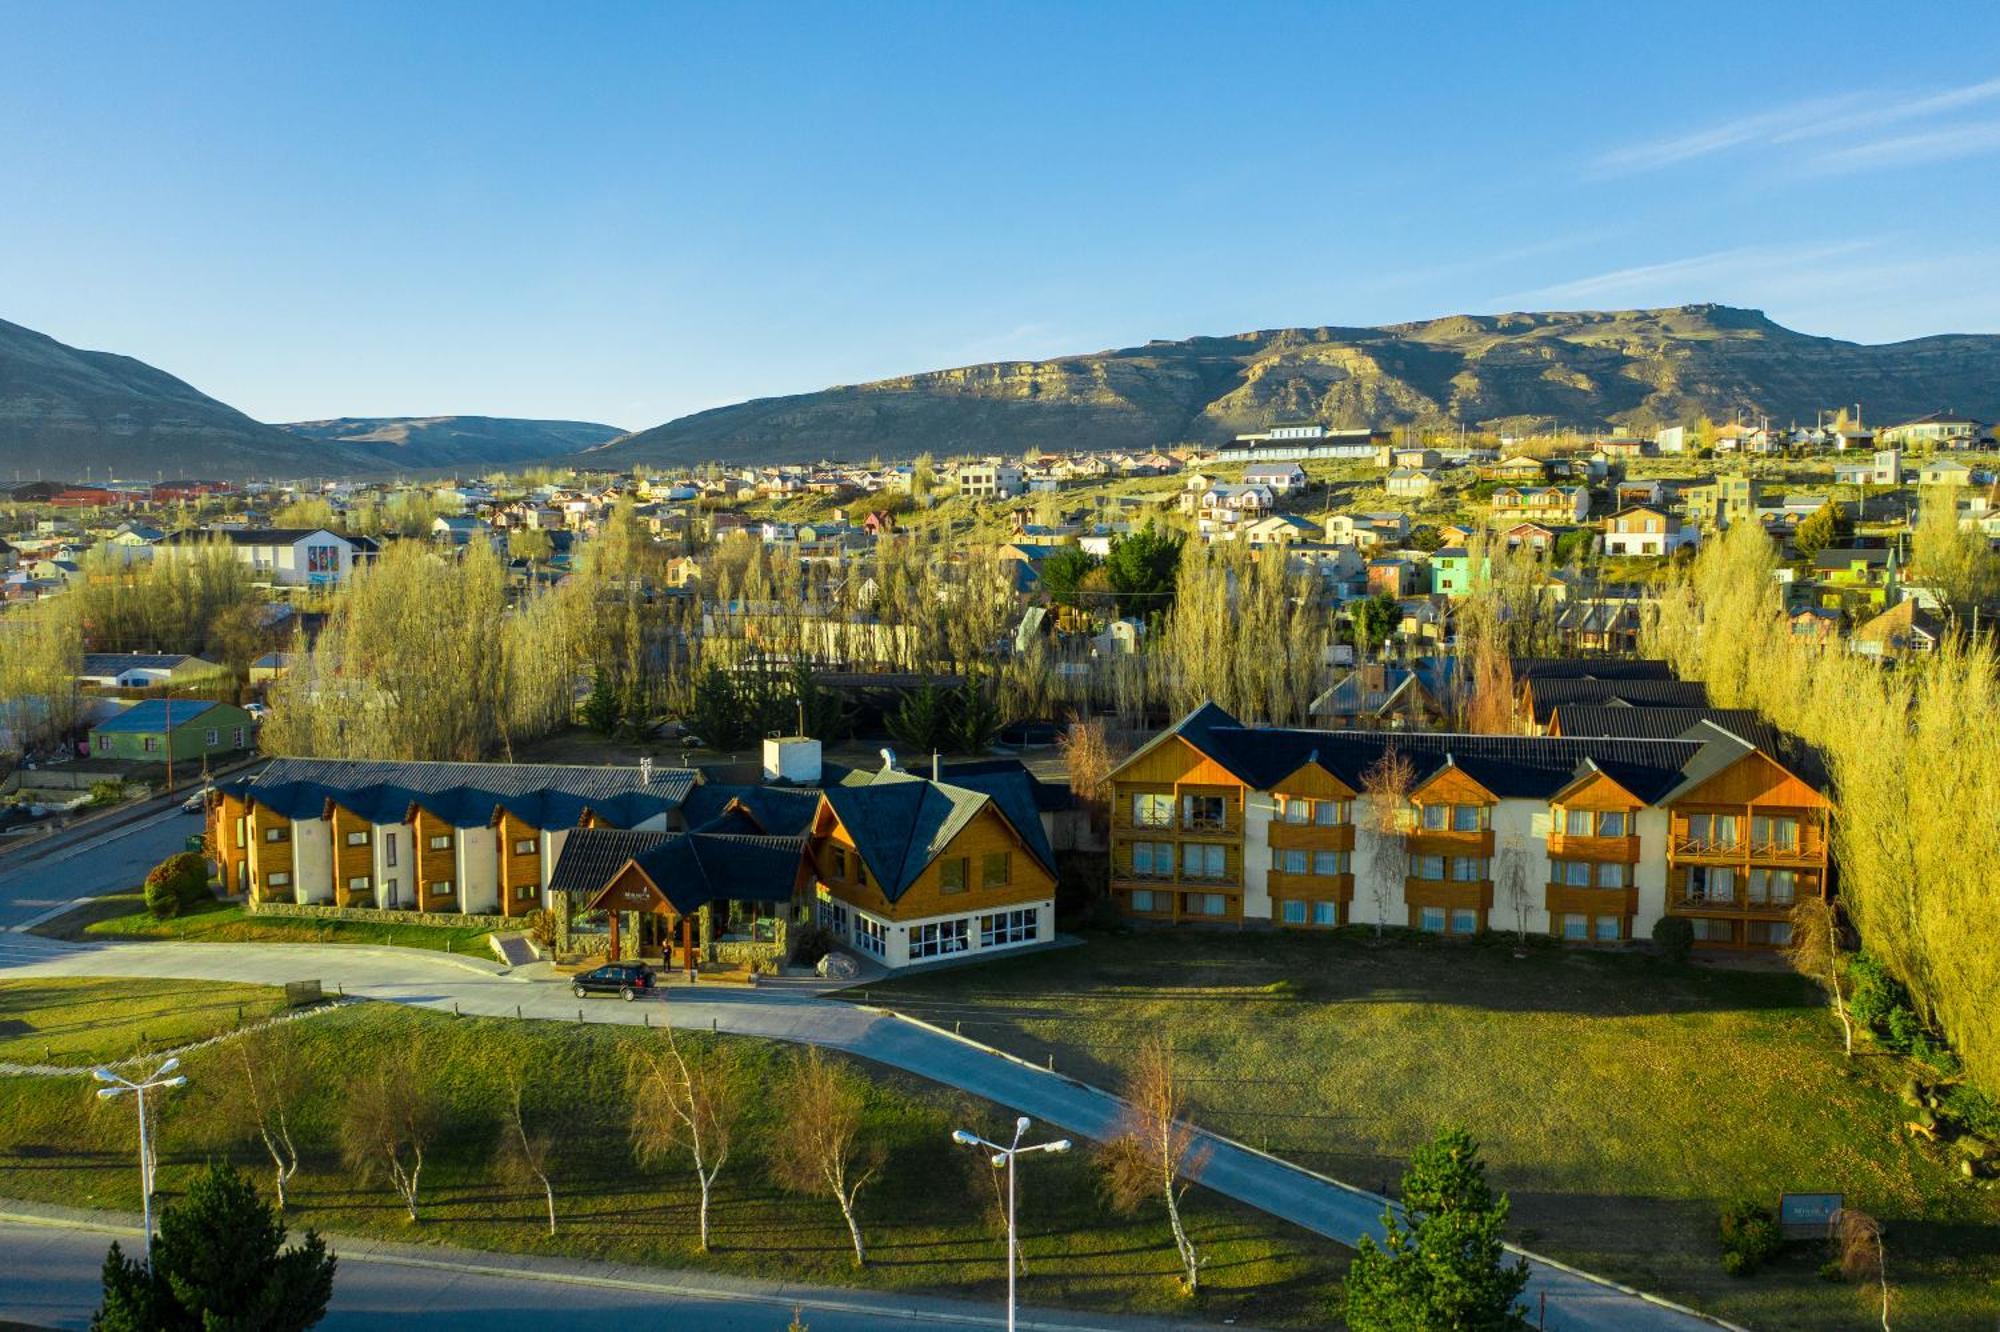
(192, 727)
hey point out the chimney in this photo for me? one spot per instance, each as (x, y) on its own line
(646, 771)
(937, 766)
(888, 759)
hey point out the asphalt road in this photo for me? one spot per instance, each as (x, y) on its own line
(50, 1278)
(114, 863)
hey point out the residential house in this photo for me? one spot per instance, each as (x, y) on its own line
(1725, 500)
(1904, 630)
(1452, 574)
(1646, 530)
(988, 480)
(189, 729)
(138, 670)
(1939, 430)
(1375, 696)
(1541, 504)
(1944, 472)
(290, 557)
(1516, 468)
(1391, 576)
(1217, 823)
(1855, 576)
(1279, 478)
(1534, 536)
(1410, 483)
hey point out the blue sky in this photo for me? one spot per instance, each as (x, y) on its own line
(628, 212)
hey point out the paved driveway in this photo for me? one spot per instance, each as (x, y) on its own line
(1575, 1302)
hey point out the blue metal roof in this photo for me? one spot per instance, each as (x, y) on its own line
(152, 716)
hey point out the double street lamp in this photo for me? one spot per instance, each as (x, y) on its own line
(1004, 1156)
(163, 1078)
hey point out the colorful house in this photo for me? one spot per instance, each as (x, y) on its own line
(189, 729)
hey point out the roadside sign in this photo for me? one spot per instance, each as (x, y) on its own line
(1807, 1215)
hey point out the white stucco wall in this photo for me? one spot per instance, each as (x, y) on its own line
(1259, 807)
(403, 871)
(312, 860)
(1651, 875)
(478, 871)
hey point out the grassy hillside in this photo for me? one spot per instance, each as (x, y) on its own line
(1631, 369)
(446, 441)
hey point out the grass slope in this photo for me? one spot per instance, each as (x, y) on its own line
(124, 916)
(78, 1023)
(1619, 1100)
(929, 1218)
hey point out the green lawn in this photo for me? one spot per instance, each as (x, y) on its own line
(124, 916)
(1619, 1100)
(929, 1218)
(78, 1023)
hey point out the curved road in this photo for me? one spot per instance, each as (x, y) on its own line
(1576, 1302)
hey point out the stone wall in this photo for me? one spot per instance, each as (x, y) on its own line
(448, 919)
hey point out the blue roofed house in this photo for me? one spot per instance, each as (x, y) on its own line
(187, 729)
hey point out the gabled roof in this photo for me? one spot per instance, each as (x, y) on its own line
(901, 822)
(152, 716)
(250, 536)
(1545, 694)
(691, 870)
(469, 795)
(117, 663)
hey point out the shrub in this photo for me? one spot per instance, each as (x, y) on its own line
(1673, 939)
(107, 793)
(1973, 1111)
(162, 899)
(184, 875)
(1750, 1236)
(1875, 992)
(810, 944)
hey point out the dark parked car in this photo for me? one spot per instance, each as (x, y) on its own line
(627, 980)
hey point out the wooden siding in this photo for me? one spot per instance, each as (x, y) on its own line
(226, 820)
(1566, 900)
(435, 866)
(988, 833)
(1312, 836)
(271, 857)
(520, 876)
(352, 862)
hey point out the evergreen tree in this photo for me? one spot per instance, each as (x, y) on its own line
(717, 713)
(978, 719)
(1817, 531)
(219, 1265)
(1143, 568)
(1063, 573)
(601, 710)
(924, 720)
(1440, 1267)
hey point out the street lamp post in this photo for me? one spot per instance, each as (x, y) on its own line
(1004, 1156)
(116, 1087)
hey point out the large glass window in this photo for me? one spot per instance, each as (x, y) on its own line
(1327, 813)
(1427, 867)
(1203, 811)
(1609, 929)
(871, 936)
(1295, 810)
(1614, 874)
(951, 875)
(1008, 927)
(1611, 823)
(1570, 873)
(940, 938)
(1464, 922)
(1328, 863)
(1326, 913)
(1778, 834)
(1153, 860)
(1576, 927)
(1153, 810)
(996, 869)
(1576, 823)
(1202, 860)
(1468, 869)
(1468, 818)
(1431, 920)
(1287, 860)
(1294, 912)
(1436, 818)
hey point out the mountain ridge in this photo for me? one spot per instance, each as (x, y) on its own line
(1594, 369)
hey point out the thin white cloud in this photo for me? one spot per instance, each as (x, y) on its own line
(1694, 278)
(1940, 145)
(1854, 114)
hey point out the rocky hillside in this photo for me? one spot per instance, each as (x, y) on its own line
(1627, 370)
(67, 414)
(451, 441)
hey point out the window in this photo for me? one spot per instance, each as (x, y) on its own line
(1576, 823)
(150, 744)
(1329, 863)
(1614, 874)
(1464, 922)
(871, 936)
(1201, 860)
(836, 860)
(278, 878)
(1713, 931)
(1774, 886)
(357, 838)
(1570, 873)
(441, 842)
(275, 834)
(1468, 818)
(1611, 823)
(1431, 921)
(390, 897)
(1152, 810)
(1436, 818)
(1202, 812)
(1145, 899)
(239, 832)
(525, 847)
(996, 869)
(1328, 813)
(1294, 810)
(1427, 867)
(1204, 904)
(528, 891)
(388, 848)
(358, 884)
(833, 916)
(952, 874)
(104, 744)
(1468, 869)
(940, 938)
(1294, 912)
(441, 888)
(1712, 830)
(214, 736)
(1152, 860)
(1008, 927)
(1610, 929)
(1576, 927)
(1288, 861)
(1774, 833)
(1707, 883)
(237, 736)
(1771, 932)
(1326, 913)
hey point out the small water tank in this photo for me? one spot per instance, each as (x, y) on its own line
(793, 759)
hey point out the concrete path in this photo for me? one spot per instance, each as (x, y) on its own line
(54, 1257)
(1576, 1302)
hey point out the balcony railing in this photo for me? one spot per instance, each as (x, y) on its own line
(1195, 824)
(1783, 853)
(1763, 906)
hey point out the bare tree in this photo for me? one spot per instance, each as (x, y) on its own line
(269, 1084)
(388, 1121)
(1386, 785)
(1857, 1242)
(1088, 758)
(1815, 952)
(821, 1155)
(1511, 877)
(677, 1104)
(525, 1156)
(1158, 1155)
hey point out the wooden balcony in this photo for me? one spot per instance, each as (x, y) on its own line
(1562, 846)
(1563, 899)
(1735, 907)
(1313, 836)
(1436, 842)
(1322, 887)
(1807, 853)
(1451, 894)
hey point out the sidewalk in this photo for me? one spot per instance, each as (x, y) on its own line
(509, 1269)
(15, 853)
